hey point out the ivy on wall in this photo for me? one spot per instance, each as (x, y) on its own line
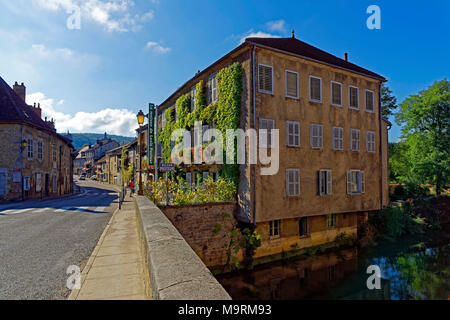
(225, 113)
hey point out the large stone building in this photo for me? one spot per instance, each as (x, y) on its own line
(36, 161)
(333, 157)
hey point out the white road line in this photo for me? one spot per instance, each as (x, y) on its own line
(41, 210)
(15, 211)
(81, 209)
(63, 209)
(100, 209)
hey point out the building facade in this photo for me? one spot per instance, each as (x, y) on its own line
(36, 161)
(333, 159)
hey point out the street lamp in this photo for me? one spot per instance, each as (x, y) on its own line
(23, 145)
(140, 117)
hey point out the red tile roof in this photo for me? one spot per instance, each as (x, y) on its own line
(14, 110)
(300, 48)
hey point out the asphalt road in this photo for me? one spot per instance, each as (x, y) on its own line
(39, 240)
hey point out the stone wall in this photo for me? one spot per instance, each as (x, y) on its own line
(196, 224)
(175, 271)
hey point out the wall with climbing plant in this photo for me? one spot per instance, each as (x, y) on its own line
(225, 113)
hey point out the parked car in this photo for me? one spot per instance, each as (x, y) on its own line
(82, 178)
(94, 177)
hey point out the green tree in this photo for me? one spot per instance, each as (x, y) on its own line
(398, 162)
(425, 121)
(388, 101)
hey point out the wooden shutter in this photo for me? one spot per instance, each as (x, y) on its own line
(363, 182)
(265, 78)
(291, 84)
(336, 93)
(349, 182)
(329, 182)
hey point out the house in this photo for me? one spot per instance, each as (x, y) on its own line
(333, 156)
(80, 160)
(36, 161)
(113, 164)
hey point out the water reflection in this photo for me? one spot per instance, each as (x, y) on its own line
(409, 271)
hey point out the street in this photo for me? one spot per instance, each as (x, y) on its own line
(39, 240)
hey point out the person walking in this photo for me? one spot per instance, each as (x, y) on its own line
(131, 186)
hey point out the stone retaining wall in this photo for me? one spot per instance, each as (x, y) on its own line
(175, 270)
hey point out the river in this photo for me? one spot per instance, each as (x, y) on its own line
(411, 268)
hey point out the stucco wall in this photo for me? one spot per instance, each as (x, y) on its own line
(276, 106)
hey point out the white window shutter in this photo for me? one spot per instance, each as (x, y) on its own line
(349, 182)
(329, 182)
(363, 182)
(287, 182)
(319, 174)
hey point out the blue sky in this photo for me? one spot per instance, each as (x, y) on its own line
(130, 53)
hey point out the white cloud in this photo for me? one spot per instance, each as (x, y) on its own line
(258, 34)
(113, 15)
(278, 25)
(43, 52)
(114, 121)
(156, 47)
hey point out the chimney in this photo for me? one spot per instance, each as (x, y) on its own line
(20, 90)
(293, 34)
(346, 56)
(38, 110)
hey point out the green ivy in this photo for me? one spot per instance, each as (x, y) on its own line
(225, 113)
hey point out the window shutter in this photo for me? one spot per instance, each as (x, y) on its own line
(320, 136)
(329, 182)
(349, 182)
(319, 183)
(287, 183)
(265, 78)
(287, 134)
(363, 182)
(291, 84)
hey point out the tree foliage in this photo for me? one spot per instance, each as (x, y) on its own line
(425, 121)
(388, 101)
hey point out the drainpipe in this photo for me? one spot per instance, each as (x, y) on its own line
(254, 127)
(381, 145)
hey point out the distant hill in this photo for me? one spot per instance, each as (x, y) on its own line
(80, 139)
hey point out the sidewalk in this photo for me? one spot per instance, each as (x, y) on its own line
(115, 270)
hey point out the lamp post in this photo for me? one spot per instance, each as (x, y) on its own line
(140, 119)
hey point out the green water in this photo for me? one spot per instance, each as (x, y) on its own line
(410, 269)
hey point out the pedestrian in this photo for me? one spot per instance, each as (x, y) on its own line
(131, 186)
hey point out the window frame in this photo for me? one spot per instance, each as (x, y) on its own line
(310, 98)
(259, 79)
(328, 182)
(193, 94)
(212, 80)
(300, 229)
(333, 145)
(360, 178)
(296, 184)
(40, 149)
(286, 84)
(370, 143)
(350, 98)
(331, 91)
(30, 148)
(288, 124)
(332, 220)
(267, 143)
(351, 140)
(274, 225)
(373, 100)
(311, 135)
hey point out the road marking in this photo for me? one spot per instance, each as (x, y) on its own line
(41, 210)
(81, 209)
(63, 209)
(100, 209)
(15, 211)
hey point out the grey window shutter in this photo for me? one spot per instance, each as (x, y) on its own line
(363, 182)
(329, 182)
(349, 182)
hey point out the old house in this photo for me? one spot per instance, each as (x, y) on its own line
(333, 159)
(36, 161)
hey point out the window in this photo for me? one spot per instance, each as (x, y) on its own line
(369, 101)
(40, 150)
(355, 182)
(292, 182)
(193, 94)
(325, 182)
(206, 133)
(354, 139)
(189, 178)
(212, 86)
(336, 93)
(205, 175)
(265, 76)
(55, 186)
(293, 134)
(332, 220)
(353, 98)
(316, 131)
(370, 141)
(164, 121)
(30, 148)
(303, 227)
(291, 84)
(274, 228)
(338, 138)
(266, 138)
(315, 89)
